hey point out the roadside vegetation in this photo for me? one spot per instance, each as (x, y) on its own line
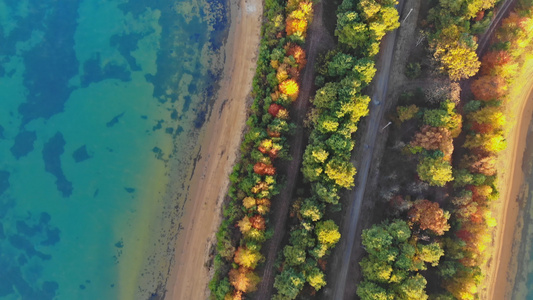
(435, 242)
(255, 180)
(338, 105)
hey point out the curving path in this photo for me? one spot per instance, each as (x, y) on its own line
(503, 11)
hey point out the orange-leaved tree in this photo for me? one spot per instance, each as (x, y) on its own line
(434, 138)
(298, 53)
(243, 280)
(429, 215)
(489, 87)
(264, 169)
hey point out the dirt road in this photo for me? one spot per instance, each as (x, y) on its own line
(318, 39)
(502, 12)
(375, 123)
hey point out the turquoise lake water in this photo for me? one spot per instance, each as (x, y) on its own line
(99, 101)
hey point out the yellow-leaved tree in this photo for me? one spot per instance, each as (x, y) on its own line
(247, 258)
(290, 88)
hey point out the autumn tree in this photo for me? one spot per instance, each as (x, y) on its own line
(298, 53)
(244, 280)
(490, 115)
(456, 53)
(264, 169)
(428, 215)
(312, 209)
(327, 123)
(244, 225)
(435, 171)
(466, 9)
(482, 164)
(263, 206)
(315, 278)
(327, 233)
(458, 61)
(258, 222)
(247, 258)
(341, 172)
(274, 108)
(298, 19)
(351, 31)
(491, 142)
(296, 26)
(369, 9)
(495, 58)
(489, 87)
(499, 62)
(376, 270)
(290, 88)
(464, 286)
(430, 253)
(434, 138)
(482, 128)
(365, 70)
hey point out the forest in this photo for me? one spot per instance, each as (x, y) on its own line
(431, 243)
(434, 242)
(337, 107)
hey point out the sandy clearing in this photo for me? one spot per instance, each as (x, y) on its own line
(501, 270)
(220, 143)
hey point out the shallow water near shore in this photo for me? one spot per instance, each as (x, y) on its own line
(523, 283)
(100, 102)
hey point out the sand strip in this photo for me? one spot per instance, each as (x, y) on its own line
(220, 143)
(501, 271)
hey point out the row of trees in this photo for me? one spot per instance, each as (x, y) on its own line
(475, 186)
(338, 105)
(254, 180)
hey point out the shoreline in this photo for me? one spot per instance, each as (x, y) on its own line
(502, 266)
(219, 146)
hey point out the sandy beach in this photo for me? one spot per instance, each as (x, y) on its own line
(220, 142)
(502, 267)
